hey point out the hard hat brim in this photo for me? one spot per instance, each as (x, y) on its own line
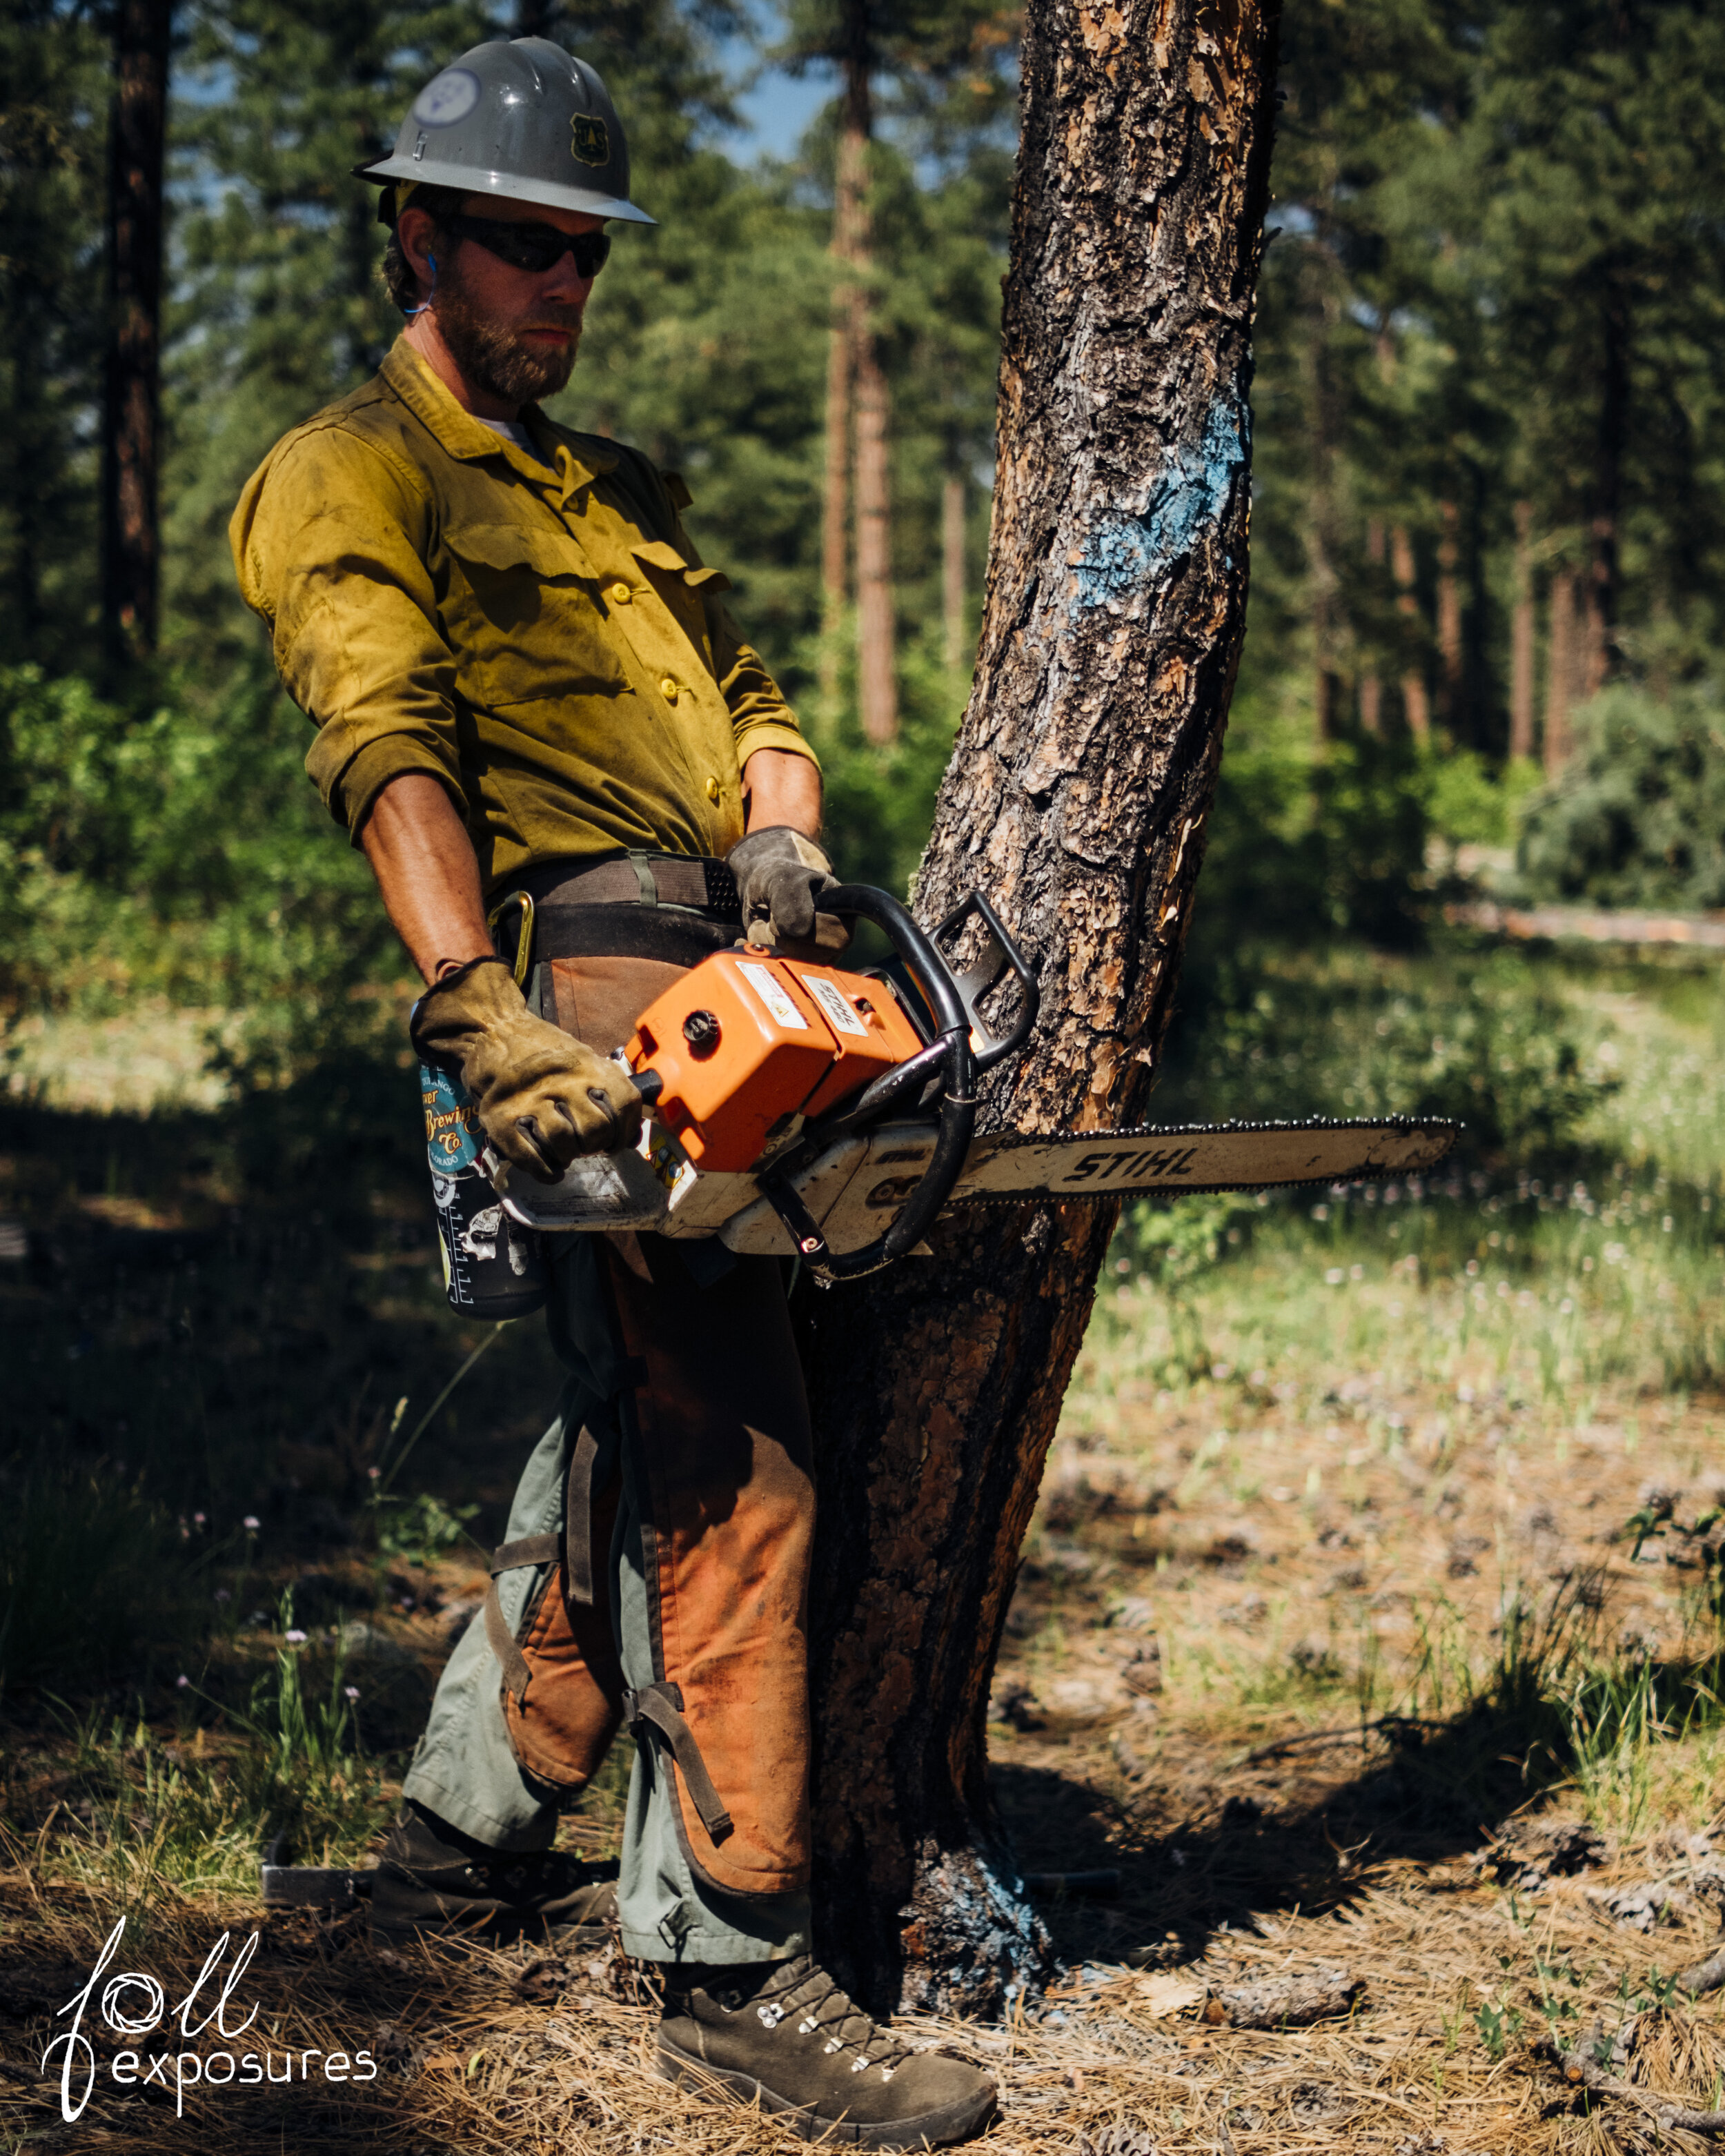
(429, 171)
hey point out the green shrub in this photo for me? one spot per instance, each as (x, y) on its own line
(1638, 818)
(1483, 1040)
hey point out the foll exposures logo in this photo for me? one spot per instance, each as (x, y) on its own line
(133, 2004)
(589, 139)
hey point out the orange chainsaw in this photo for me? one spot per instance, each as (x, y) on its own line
(799, 1110)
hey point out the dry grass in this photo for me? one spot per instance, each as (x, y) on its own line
(1328, 1623)
(1277, 1617)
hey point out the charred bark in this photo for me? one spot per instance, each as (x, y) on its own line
(132, 400)
(1077, 800)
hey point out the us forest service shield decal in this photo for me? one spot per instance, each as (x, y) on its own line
(589, 139)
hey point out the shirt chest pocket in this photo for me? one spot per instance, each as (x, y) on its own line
(524, 618)
(687, 594)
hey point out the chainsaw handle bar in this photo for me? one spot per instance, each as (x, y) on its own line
(948, 1057)
(934, 977)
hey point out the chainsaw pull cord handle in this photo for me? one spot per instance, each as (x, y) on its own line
(951, 1049)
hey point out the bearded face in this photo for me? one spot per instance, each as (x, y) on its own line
(492, 350)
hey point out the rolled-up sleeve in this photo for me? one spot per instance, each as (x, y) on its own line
(330, 540)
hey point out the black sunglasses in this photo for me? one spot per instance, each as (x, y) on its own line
(535, 247)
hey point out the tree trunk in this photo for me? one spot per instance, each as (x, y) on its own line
(876, 667)
(953, 567)
(1371, 687)
(1521, 639)
(1601, 655)
(1416, 704)
(1076, 798)
(132, 403)
(1560, 670)
(1322, 549)
(850, 200)
(1448, 617)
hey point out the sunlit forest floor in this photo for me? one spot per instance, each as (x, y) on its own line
(1369, 1635)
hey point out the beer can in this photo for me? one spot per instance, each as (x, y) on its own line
(493, 1267)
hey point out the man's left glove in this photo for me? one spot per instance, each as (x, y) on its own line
(780, 876)
(542, 1096)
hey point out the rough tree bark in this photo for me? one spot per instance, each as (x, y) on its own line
(132, 399)
(1077, 800)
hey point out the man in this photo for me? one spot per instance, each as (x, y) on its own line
(524, 681)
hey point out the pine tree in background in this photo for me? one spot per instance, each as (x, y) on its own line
(132, 402)
(54, 105)
(278, 306)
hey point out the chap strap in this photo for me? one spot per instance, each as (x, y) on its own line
(662, 1706)
(511, 1557)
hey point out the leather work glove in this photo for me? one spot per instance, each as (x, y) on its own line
(542, 1096)
(780, 876)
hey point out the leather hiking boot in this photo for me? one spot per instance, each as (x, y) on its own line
(431, 1880)
(783, 2034)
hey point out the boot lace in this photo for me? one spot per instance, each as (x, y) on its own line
(812, 2003)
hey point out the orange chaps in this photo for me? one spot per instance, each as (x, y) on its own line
(708, 1425)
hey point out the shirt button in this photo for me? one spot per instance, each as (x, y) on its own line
(668, 689)
(712, 789)
(619, 594)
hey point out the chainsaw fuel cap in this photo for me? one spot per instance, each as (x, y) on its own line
(701, 1030)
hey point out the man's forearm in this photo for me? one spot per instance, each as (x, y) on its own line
(427, 870)
(781, 789)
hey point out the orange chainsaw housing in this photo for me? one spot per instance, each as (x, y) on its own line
(744, 1040)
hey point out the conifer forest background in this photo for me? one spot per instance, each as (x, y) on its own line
(1381, 1539)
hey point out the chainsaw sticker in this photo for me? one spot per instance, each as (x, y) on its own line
(779, 1005)
(839, 1012)
(1132, 1167)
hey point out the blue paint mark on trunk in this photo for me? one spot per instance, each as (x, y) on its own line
(1123, 556)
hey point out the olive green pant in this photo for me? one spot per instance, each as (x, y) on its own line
(466, 1770)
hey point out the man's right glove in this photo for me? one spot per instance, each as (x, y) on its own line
(780, 876)
(542, 1096)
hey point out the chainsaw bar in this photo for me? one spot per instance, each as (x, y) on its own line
(861, 1182)
(1203, 1157)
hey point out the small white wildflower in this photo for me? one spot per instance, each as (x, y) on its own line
(295, 1637)
(350, 1692)
(250, 1523)
(182, 1682)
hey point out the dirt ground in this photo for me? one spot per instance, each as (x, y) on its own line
(1265, 1665)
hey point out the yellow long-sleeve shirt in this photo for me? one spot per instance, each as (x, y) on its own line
(539, 636)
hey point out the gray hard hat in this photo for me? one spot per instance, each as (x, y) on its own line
(520, 119)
